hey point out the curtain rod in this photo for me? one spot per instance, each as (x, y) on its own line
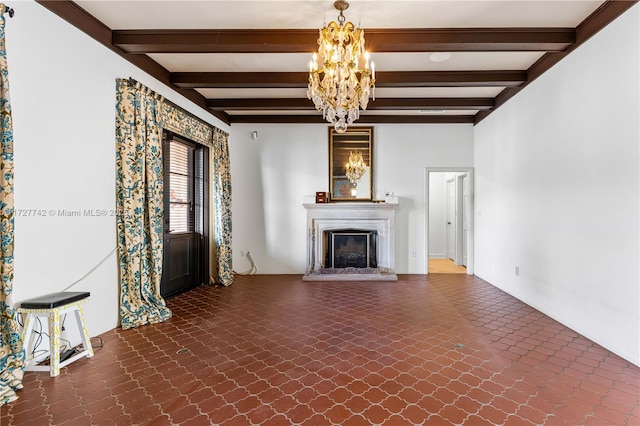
(9, 10)
(135, 83)
(132, 82)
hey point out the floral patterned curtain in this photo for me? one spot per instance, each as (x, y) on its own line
(142, 115)
(139, 201)
(221, 251)
(11, 352)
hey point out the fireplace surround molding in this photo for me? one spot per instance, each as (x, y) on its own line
(379, 217)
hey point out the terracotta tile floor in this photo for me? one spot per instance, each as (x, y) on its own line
(273, 350)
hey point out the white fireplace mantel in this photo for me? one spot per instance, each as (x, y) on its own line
(379, 217)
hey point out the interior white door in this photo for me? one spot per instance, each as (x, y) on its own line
(451, 219)
(465, 217)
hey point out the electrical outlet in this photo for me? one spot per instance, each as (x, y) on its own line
(517, 271)
(242, 253)
(413, 253)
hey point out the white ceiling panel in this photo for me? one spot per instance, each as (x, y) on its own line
(253, 93)
(459, 61)
(399, 92)
(233, 62)
(299, 62)
(314, 13)
(422, 112)
(368, 112)
(437, 92)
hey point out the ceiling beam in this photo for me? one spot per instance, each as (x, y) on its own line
(240, 104)
(369, 119)
(378, 40)
(253, 80)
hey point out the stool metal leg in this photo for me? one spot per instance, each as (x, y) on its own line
(54, 339)
(31, 362)
(26, 334)
(84, 335)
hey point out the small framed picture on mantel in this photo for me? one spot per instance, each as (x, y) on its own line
(321, 197)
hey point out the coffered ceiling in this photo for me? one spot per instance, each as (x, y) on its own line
(436, 61)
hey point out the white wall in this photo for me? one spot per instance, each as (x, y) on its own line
(62, 86)
(271, 175)
(557, 191)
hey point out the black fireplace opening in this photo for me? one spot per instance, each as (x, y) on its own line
(351, 248)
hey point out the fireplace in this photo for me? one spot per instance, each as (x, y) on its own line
(351, 248)
(340, 227)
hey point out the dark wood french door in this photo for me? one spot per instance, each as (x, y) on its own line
(186, 224)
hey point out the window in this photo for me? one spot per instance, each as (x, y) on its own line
(181, 217)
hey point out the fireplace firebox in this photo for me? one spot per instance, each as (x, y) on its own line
(351, 248)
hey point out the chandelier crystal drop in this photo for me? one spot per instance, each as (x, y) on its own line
(341, 87)
(356, 167)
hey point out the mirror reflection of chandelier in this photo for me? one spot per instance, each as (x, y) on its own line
(340, 87)
(356, 167)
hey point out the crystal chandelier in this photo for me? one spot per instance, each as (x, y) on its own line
(356, 167)
(340, 88)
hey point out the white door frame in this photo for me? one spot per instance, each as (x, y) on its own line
(470, 231)
(451, 244)
(463, 207)
(460, 214)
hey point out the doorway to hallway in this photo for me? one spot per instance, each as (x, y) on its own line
(449, 220)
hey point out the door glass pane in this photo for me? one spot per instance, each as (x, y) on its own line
(181, 198)
(199, 198)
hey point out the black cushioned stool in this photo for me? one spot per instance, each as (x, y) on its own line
(52, 306)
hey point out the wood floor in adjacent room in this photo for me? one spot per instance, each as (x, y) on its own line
(272, 350)
(445, 266)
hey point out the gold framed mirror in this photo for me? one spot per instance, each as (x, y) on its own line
(351, 164)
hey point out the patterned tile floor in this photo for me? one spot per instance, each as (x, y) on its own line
(273, 350)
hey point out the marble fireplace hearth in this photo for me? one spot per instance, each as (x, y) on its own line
(375, 217)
